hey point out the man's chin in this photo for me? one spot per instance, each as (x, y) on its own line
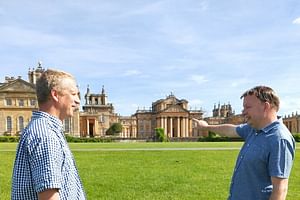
(248, 122)
(75, 109)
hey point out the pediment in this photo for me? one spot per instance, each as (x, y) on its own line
(18, 85)
(174, 109)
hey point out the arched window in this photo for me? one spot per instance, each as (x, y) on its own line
(8, 124)
(21, 123)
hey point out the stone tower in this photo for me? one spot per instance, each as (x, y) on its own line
(34, 74)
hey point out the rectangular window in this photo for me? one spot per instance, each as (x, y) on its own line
(32, 102)
(21, 102)
(8, 102)
(67, 122)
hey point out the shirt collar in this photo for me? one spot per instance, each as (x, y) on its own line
(57, 123)
(270, 126)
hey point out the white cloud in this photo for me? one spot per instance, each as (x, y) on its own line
(29, 37)
(199, 79)
(195, 104)
(239, 82)
(152, 8)
(296, 21)
(289, 105)
(132, 73)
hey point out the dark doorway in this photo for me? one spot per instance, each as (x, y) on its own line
(91, 129)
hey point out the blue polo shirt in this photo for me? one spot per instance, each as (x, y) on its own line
(266, 153)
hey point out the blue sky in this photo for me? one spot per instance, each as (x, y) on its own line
(204, 51)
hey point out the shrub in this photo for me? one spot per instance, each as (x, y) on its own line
(160, 135)
(84, 140)
(297, 137)
(9, 138)
(213, 137)
(114, 129)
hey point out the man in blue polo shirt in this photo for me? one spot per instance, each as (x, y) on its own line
(266, 158)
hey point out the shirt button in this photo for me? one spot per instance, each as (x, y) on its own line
(248, 145)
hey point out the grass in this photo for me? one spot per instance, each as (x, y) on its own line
(158, 174)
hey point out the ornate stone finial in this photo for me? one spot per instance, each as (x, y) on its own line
(103, 91)
(40, 64)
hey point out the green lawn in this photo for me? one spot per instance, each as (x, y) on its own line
(121, 171)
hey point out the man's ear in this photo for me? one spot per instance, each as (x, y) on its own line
(54, 95)
(268, 106)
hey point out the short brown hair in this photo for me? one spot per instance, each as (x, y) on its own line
(264, 94)
(50, 79)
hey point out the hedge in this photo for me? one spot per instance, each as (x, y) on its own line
(9, 138)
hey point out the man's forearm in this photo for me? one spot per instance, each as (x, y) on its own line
(223, 129)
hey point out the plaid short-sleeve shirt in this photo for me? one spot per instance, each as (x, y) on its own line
(44, 161)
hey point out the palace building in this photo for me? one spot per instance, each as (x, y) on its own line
(292, 122)
(18, 100)
(97, 115)
(224, 114)
(172, 115)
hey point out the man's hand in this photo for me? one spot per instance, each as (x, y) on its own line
(228, 130)
(200, 124)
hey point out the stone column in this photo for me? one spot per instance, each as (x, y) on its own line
(187, 127)
(166, 125)
(178, 126)
(87, 127)
(171, 127)
(183, 128)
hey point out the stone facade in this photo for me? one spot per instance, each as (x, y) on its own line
(129, 129)
(292, 122)
(18, 100)
(97, 115)
(172, 115)
(224, 114)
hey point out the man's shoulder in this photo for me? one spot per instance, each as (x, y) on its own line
(244, 130)
(279, 133)
(38, 129)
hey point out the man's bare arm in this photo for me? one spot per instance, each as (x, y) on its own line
(280, 187)
(228, 130)
(51, 194)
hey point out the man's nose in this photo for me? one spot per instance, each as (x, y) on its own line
(77, 100)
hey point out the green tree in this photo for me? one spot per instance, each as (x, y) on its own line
(114, 129)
